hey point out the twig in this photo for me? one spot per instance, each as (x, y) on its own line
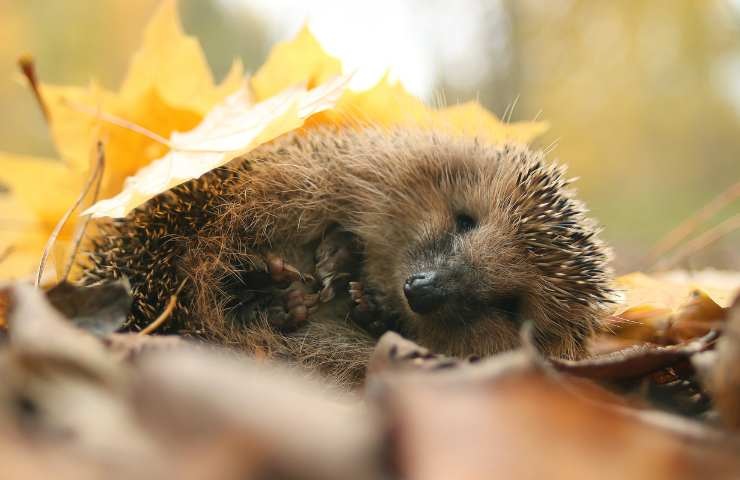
(707, 238)
(80, 231)
(165, 314)
(28, 68)
(63, 221)
(674, 237)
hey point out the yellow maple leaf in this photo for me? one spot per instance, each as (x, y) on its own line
(386, 104)
(472, 119)
(169, 87)
(21, 239)
(302, 61)
(232, 128)
(175, 67)
(28, 217)
(299, 62)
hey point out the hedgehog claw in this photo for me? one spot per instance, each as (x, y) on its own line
(335, 259)
(366, 312)
(280, 271)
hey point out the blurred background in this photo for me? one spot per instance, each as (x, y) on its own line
(643, 97)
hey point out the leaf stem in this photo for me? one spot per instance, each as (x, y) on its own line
(28, 68)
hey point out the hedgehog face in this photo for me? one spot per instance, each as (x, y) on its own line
(459, 297)
(460, 282)
(477, 241)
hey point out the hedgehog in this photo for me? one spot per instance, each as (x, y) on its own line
(308, 248)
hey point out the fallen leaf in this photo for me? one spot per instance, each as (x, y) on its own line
(670, 290)
(633, 362)
(298, 62)
(175, 67)
(169, 87)
(722, 377)
(302, 61)
(524, 422)
(100, 309)
(695, 318)
(472, 119)
(395, 353)
(32, 180)
(669, 307)
(129, 346)
(232, 128)
(22, 239)
(387, 104)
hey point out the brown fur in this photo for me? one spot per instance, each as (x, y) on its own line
(399, 193)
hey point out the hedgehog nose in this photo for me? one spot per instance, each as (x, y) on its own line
(424, 292)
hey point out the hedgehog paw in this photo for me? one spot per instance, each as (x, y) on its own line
(291, 307)
(266, 272)
(336, 259)
(366, 312)
(280, 271)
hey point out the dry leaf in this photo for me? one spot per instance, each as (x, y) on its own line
(472, 119)
(671, 290)
(522, 422)
(633, 362)
(232, 128)
(395, 353)
(671, 306)
(175, 67)
(388, 104)
(722, 378)
(300, 61)
(100, 309)
(169, 87)
(22, 239)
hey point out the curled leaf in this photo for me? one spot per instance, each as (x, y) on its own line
(232, 128)
(633, 362)
(100, 309)
(670, 307)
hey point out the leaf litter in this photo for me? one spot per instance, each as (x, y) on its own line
(658, 398)
(159, 407)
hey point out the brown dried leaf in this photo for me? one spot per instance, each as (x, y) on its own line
(722, 376)
(395, 353)
(633, 362)
(129, 346)
(696, 318)
(526, 423)
(197, 398)
(34, 325)
(100, 309)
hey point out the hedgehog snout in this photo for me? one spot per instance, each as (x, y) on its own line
(424, 292)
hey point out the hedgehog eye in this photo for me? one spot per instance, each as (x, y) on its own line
(464, 223)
